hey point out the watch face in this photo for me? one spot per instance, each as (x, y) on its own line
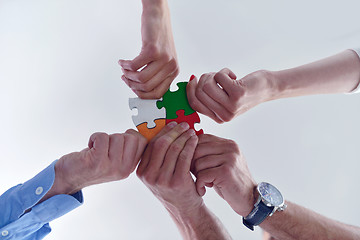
(270, 194)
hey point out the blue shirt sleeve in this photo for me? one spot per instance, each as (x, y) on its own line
(20, 215)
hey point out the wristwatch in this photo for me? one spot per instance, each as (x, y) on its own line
(269, 201)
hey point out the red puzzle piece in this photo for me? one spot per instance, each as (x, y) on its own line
(190, 119)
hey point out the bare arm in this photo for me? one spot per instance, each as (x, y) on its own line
(219, 163)
(200, 224)
(165, 170)
(297, 222)
(150, 74)
(336, 74)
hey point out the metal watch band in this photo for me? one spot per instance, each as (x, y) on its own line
(257, 215)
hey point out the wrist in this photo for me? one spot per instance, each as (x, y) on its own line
(67, 178)
(62, 183)
(273, 83)
(153, 4)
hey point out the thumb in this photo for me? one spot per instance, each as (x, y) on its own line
(135, 64)
(99, 143)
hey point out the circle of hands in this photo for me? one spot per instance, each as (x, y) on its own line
(166, 163)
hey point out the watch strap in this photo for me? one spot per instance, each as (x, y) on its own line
(257, 215)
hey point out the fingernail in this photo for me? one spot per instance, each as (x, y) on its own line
(172, 124)
(184, 125)
(192, 77)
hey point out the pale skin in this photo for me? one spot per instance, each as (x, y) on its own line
(336, 74)
(150, 74)
(219, 163)
(165, 170)
(107, 158)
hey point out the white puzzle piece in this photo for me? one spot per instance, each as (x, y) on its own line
(147, 111)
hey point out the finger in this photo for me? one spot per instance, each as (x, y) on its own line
(147, 154)
(207, 162)
(140, 141)
(195, 103)
(162, 144)
(159, 91)
(205, 177)
(154, 81)
(172, 155)
(228, 84)
(145, 74)
(184, 160)
(213, 90)
(205, 138)
(221, 113)
(116, 148)
(135, 64)
(159, 145)
(129, 160)
(228, 72)
(99, 143)
(217, 146)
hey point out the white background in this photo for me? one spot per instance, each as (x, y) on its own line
(60, 82)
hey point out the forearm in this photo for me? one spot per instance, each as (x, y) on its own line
(336, 74)
(156, 6)
(199, 224)
(297, 222)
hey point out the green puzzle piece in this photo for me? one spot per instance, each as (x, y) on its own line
(174, 101)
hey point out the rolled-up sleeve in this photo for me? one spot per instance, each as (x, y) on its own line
(21, 217)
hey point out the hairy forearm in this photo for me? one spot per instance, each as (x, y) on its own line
(200, 224)
(299, 223)
(336, 74)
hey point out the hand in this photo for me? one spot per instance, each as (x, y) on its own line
(218, 163)
(221, 97)
(108, 158)
(150, 74)
(165, 168)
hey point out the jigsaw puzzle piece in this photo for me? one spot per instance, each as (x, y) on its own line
(190, 119)
(147, 111)
(174, 101)
(149, 133)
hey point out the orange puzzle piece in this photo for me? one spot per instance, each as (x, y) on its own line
(149, 133)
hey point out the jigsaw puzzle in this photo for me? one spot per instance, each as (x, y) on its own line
(173, 101)
(190, 119)
(149, 133)
(154, 114)
(147, 111)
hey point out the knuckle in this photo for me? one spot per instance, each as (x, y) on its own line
(175, 147)
(226, 117)
(162, 142)
(173, 65)
(162, 181)
(225, 70)
(219, 75)
(148, 177)
(184, 156)
(146, 87)
(141, 77)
